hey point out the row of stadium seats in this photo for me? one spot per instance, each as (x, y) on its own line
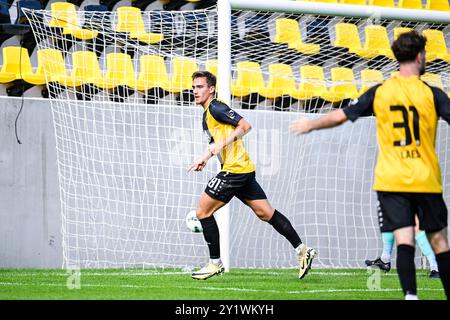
(376, 43)
(406, 4)
(129, 20)
(312, 84)
(65, 24)
(120, 71)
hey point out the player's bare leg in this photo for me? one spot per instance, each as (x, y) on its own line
(265, 212)
(439, 243)
(205, 210)
(427, 250)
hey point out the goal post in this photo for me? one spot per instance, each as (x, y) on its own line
(126, 126)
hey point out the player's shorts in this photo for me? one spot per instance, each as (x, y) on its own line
(226, 185)
(397, 210)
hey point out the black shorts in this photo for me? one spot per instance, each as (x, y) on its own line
(397, 209)
(226, 185)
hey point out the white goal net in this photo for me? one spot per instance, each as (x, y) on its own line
(127, 129)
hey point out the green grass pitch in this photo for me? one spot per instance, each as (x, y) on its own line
(238, 284)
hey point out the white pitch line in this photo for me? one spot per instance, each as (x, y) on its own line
(213, 288)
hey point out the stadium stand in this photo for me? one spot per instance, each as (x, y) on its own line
(8, 29)
(282, 36)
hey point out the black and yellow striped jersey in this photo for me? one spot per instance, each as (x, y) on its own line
(406, 110)
(219, 122)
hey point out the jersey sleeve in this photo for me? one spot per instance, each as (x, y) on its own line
(362, 106)
(223, 113)
(441, 103)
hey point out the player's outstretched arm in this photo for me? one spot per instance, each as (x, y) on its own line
(242, 128)
(330, 120)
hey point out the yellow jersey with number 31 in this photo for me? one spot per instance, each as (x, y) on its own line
(219, 122)
(407, 112)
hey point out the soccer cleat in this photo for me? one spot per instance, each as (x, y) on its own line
(305, 259)
(208, 271)
(385, 266)
(434, 274)
(409, 296)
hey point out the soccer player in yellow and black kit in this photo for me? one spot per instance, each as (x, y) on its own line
(224, 128)
(407, 174)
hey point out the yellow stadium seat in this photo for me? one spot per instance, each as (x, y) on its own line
(354, 2)
(347, 36)
(436, 44)
(152, 73)
(211, 66)
(129, 19)
(182, 70)
(410, 4)
(327, 1)
(281, 81)
(249, 79)
(377, 39)
(85, 70)
(288, 31)
(369, 78)
(441, 5)
(16, 63)
(433, 79)
(343, 85)
(50, 68)
(119, 72)
(312, 83)
(64, 15)
(382, 3)
(399, 30)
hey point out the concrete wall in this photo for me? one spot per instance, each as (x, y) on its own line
(30, 223)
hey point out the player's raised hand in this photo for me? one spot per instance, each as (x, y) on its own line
(197, 165)
(300, 126)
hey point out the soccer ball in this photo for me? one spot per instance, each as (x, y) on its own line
(193, 223)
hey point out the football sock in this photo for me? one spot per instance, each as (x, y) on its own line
(284, 227)
(388, 244)
(427, 251)
(443, 261)
(211, 235)
(406, 269)
(215, 261)
(299, 248)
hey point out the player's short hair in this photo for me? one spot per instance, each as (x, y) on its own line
(210, 78)
(408, 45)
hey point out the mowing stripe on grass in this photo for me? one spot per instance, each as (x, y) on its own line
(6, 284)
